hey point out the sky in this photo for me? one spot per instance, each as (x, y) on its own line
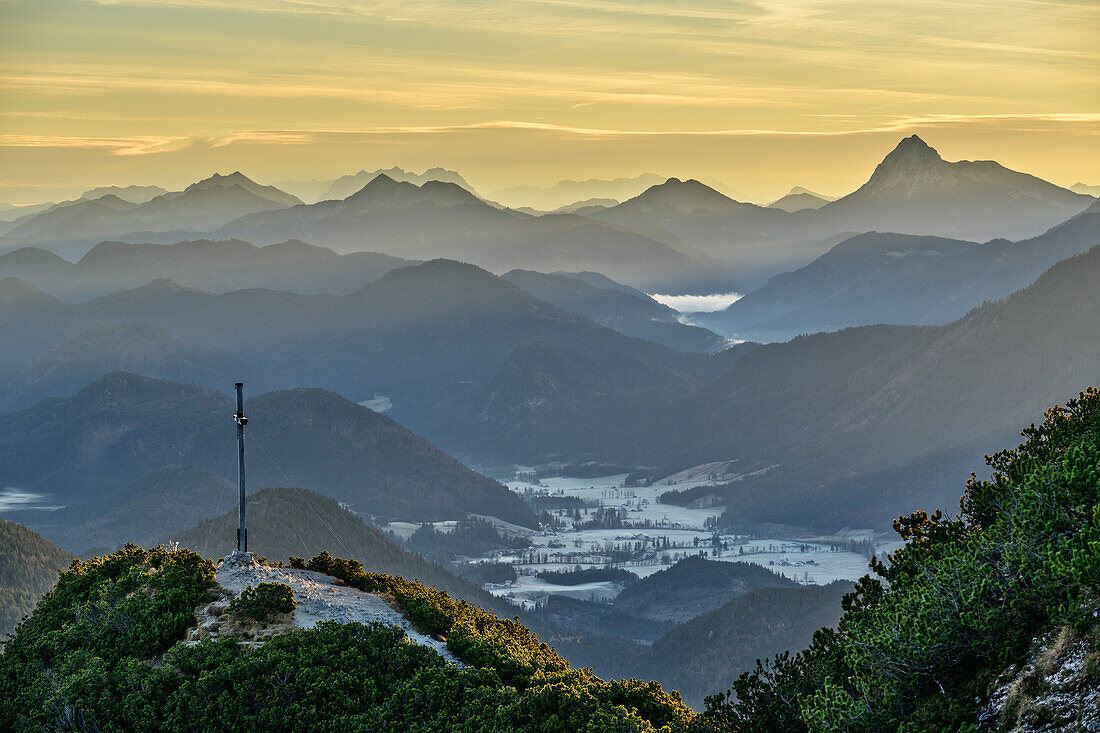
(761, 95)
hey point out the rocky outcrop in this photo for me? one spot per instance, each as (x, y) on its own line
(1057, 689)
(318, 597)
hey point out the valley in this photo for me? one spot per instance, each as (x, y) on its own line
(616, 525)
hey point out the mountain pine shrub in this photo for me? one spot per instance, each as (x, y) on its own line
(920, 643)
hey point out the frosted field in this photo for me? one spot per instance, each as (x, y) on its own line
(530, 592)
(813, 563)
(404, 530)
(810, 560)
(674, 533)
(610, 492)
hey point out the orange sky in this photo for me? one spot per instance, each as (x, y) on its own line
(760, 95)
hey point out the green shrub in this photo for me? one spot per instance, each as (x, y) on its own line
(263, 603)
(102, 653)
(919, 645)
(576, 698)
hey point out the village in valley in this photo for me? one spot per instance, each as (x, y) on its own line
(605, 522)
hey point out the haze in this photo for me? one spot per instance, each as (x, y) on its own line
(759, 95)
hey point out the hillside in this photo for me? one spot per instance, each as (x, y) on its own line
(285, 523)
(632, 315)
(164, 500)
(850, 426)
(932, 642)
(694, 586)
(847, 286)
(29, 567)
(703, 655)
(137, 347)
(429, 337)
(264, 662)
(81, 449)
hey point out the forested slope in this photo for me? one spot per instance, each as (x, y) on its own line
(28, 568)
(921, 646)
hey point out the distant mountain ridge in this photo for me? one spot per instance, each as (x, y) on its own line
(122, 426)
(912, 191)
(635, 315)
(799, 198)
(108, 267)
(437, 219)
(202, 206)
(904, 279)
(345, 186)
(133, 194)
(135, 347)
(562, 193)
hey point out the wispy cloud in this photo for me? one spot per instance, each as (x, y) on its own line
(896, 125)
(140, 145)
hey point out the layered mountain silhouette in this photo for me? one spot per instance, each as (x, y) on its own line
(893, 278)
(430, 337)
(494, 374)
(915, 191)
(109, 267)
(201, 207)
(345, 186)
(122, 426)
(912, 191)
(439, 219)
(133, 194)
(634, 314)
(136, 347)
(562, 193)
(671, 236)
(799, 198)
(754, 241)
(848, 426)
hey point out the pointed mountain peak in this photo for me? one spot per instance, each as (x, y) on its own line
(913, 148)
(383, 179)
(799, 190)
(687, 195)
(236, 178)
(912, 164)
(385, 191)
(380, 185)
